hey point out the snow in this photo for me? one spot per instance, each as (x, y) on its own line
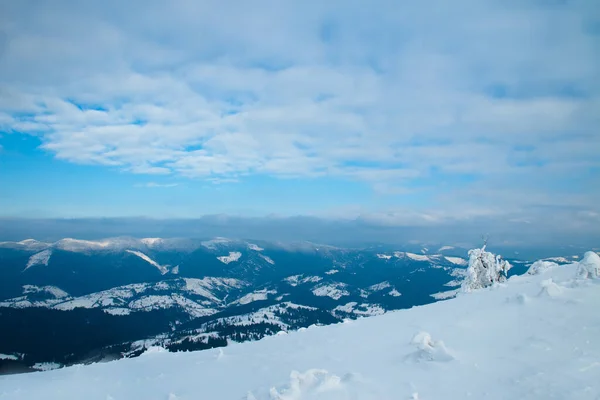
(296, 280)
(540, 267)
(254, 247)
(41, 258)
(205, 287)
(521, 345)
(395, 293)
(27, 244)
(151, 241)
(444, 248)
(332, 271)
(379, 286)
(175, 270)
(56, 292)
(417, 257)
(457, 260)
(46, 366)
(384, 256)
(117, 311)
(363, 310)
(255, 296)
(562, 260)
(232, 257)
(8, 357)
(335, 291)
(162, 268)
(214, 243)
(445, 295)
(267, 259)
(77, 245)
(589, 267)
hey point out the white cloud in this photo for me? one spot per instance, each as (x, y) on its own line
(391, 94)
(156, 185)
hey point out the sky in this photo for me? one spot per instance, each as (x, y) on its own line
(394, 114)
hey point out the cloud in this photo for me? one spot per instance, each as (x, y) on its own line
(432, 96)
(156, 185)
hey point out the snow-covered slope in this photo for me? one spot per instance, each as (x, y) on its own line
(162, 268)
(534, 337)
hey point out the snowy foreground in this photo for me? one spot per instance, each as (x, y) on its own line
(534, 337)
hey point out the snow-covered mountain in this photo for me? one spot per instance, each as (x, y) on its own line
(532, 337)
(124, 295)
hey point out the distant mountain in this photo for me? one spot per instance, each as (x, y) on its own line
(124, 294)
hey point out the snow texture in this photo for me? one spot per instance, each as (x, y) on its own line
(232, 257)
(336, 290)
(332, 271)
(254, 247)
(502, 342)
(41, 258)
(162, 268)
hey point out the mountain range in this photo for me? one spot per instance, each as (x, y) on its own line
(79, 301)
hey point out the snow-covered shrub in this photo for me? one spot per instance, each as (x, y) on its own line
(540, 267)
(589, 267)
(484, 269)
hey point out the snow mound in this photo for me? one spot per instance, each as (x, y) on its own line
(550, 288)
(395, 293)
(312, 384)
(41, 258)
(589, 267)
(541, 266)
(162, 268)
(428, 349)
(232, 257)
(383, 256)
(444, 248)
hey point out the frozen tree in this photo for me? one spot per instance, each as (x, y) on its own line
(589, 267)
(484, 269)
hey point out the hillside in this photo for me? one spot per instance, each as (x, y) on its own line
(534, 337)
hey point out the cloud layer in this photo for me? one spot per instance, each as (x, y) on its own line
(477, 104)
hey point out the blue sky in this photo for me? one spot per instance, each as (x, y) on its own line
(397, 113)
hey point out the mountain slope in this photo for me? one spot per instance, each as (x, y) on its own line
(534, 337)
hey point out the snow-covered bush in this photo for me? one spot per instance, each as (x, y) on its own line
(484, 269)
(540, 267)
(589, 267)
